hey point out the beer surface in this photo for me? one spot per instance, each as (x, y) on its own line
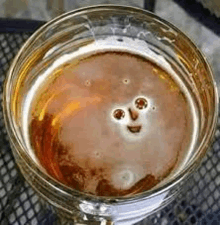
(110, 124)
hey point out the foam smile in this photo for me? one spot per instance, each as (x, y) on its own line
(134, 129)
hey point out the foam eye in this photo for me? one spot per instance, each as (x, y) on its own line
(119, 114)
(141, 103)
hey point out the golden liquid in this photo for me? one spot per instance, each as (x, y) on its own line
(110, 124)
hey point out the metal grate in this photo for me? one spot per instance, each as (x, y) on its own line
(198, 203)
(18, 202)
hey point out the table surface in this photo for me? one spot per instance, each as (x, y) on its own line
(198, 203)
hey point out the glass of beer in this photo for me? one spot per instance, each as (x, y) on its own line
(108, 110)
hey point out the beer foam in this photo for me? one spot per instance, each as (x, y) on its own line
(138, 148)
(135, 46)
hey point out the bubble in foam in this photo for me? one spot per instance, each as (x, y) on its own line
(126, 81)
(87, 83)
(119, 114)
(97, 154)
(141, 103)
(124, 179)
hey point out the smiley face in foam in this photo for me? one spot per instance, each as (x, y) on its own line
(131, 119)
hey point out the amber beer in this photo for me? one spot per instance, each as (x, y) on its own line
(111, 123)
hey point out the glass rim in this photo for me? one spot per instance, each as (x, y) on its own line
(11, 130)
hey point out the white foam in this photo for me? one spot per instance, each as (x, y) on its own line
(125, 176)
(134, 46)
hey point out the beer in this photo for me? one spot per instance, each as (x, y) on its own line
(111, 123)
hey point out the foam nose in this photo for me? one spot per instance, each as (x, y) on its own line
(133, 114)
